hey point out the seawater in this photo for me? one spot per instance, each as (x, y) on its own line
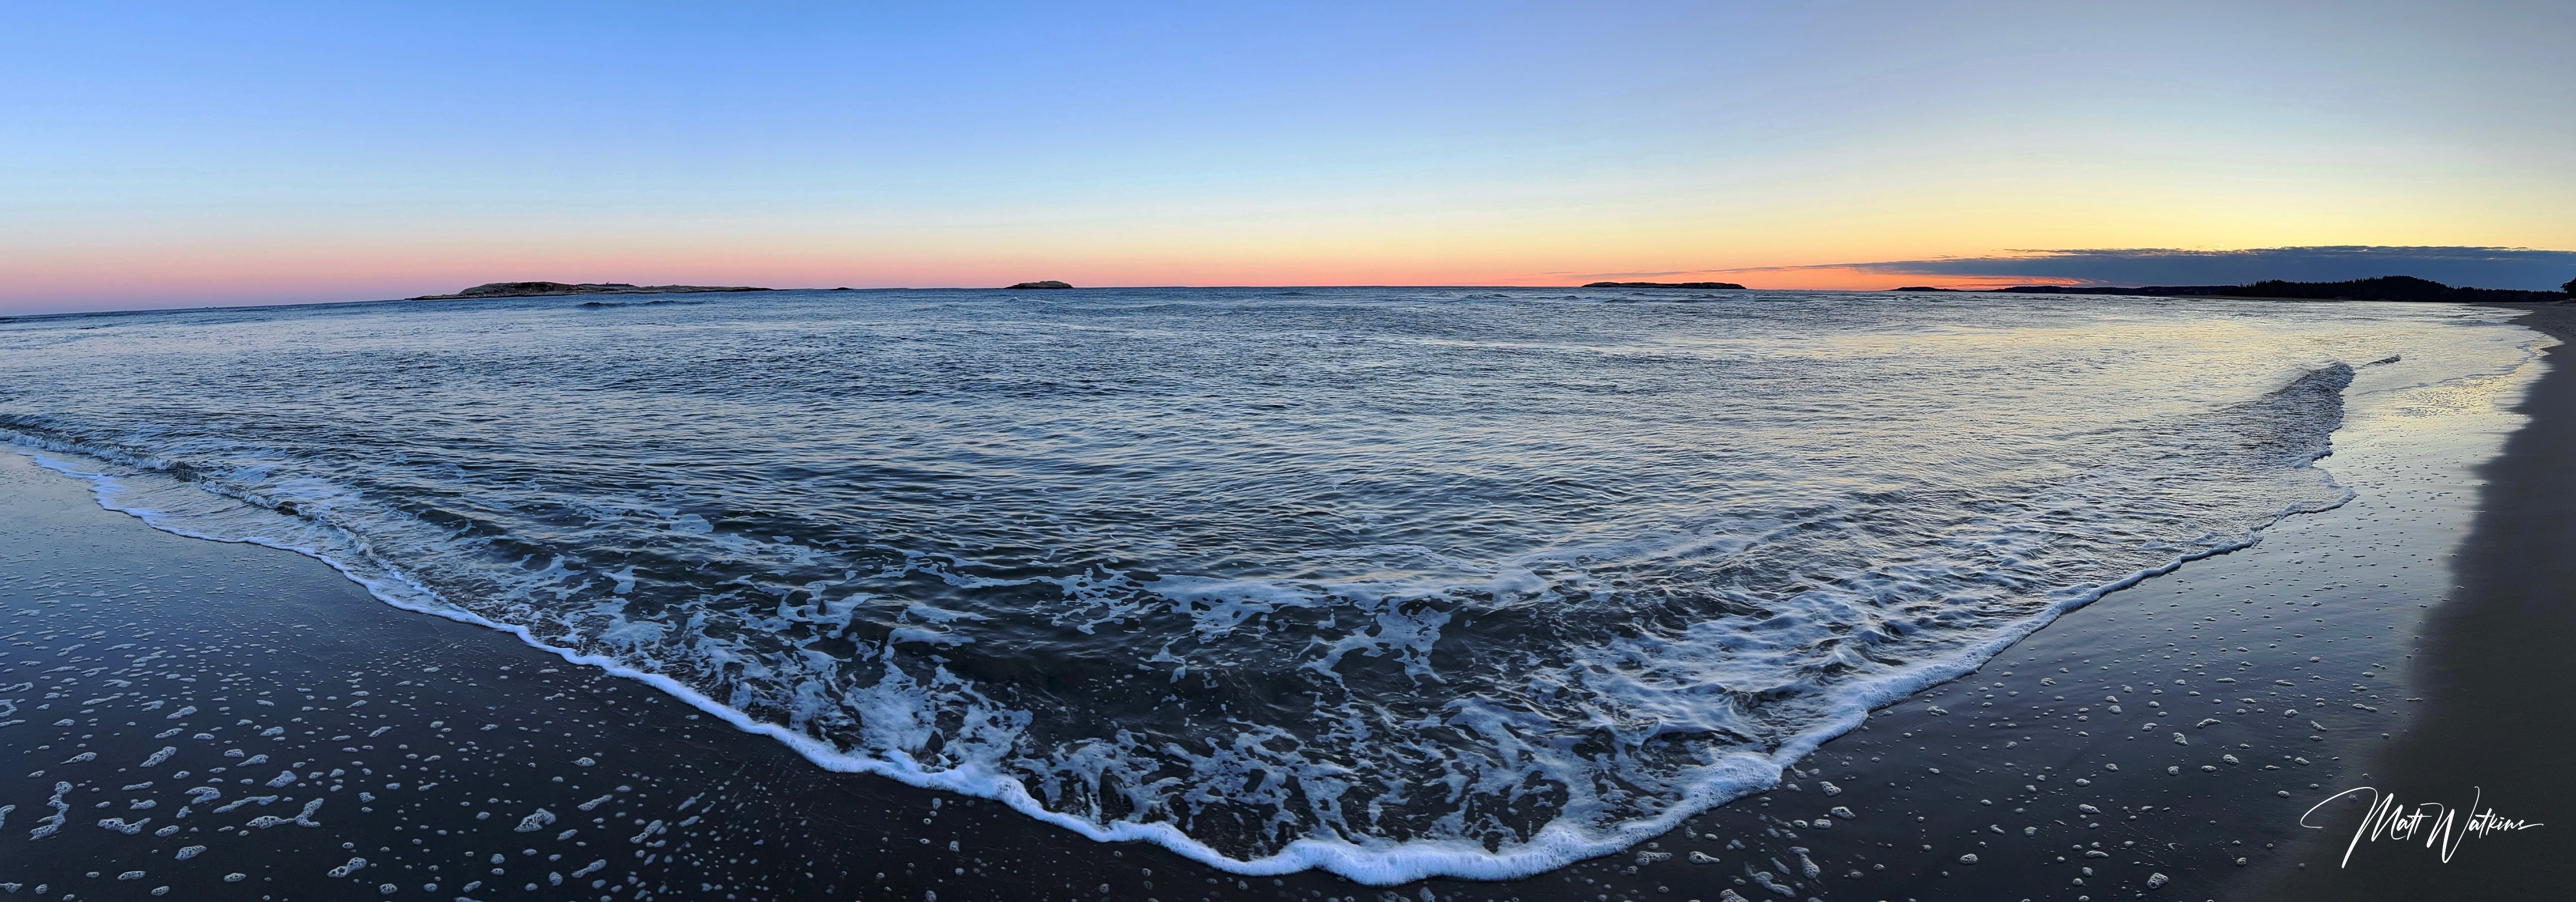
(1393, 582)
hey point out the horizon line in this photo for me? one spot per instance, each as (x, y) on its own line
(1993, 289)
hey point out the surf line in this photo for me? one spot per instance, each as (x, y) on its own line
(1737, 774)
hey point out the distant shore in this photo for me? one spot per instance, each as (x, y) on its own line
(2384, 288)
(550, 289)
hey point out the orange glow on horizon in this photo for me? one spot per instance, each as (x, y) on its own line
(1830, 278)
(223, 274)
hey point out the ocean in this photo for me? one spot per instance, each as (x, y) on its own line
(1391, 582)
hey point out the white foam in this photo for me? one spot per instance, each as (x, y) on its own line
(1554, 845)
(1219, 606)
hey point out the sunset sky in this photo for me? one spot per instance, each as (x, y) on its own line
(164, 155)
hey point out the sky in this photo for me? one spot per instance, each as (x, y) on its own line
(159, 155)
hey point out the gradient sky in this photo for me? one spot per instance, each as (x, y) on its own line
(158, 155)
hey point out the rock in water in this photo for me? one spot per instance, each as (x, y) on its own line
(1050, 283)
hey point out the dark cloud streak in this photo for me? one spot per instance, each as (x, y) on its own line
(2482, 267)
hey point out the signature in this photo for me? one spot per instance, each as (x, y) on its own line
(2439, 826)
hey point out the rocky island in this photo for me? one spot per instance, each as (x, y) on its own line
(545, 289)
(1729, 286)
(1050, 283)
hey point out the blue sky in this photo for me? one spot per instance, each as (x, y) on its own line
(168, 154)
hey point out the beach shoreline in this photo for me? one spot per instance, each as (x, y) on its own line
(1909, 832)
(2494, 729)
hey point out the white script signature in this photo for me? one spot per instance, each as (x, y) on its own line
(2438, 825)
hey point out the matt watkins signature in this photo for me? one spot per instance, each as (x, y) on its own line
(2440, 826)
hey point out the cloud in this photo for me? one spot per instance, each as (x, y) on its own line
(2482, 267)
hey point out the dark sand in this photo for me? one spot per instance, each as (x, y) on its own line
(113, 632)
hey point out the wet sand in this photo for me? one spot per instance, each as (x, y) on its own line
(2179, 728)
(2497, 680)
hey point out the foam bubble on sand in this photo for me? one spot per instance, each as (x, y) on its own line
(252, 800)
(50, 824)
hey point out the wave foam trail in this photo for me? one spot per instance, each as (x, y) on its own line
(1396, 586)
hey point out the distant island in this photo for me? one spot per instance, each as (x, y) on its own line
(545, 289)
(1728, 286)
(2384, 288)
(1050, 283)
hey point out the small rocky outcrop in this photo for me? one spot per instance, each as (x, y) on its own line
(1050, 283)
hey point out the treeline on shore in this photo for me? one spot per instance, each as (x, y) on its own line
(2383, 288)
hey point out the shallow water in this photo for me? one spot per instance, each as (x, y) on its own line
(1394, 582)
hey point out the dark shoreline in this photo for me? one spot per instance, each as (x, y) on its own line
(2404, 289)
(776, 827)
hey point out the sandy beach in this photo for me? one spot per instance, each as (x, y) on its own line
(209, 720)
